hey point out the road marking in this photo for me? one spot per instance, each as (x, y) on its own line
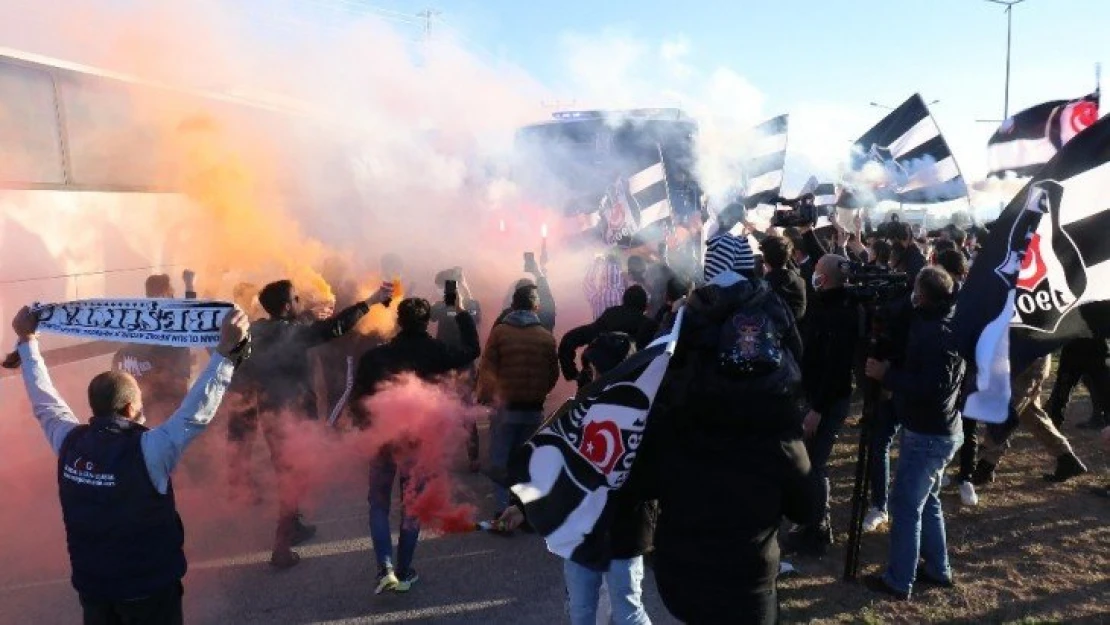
(422, 613)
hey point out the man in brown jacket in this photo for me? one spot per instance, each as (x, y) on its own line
(519, 368)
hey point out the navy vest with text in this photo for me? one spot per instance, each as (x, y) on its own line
(125, 538)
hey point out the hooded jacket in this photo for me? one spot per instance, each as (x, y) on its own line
(519, 365)
(725, 469)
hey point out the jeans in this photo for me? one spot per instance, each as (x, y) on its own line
(917, 523)
(882, 439)
(510, 430)
(821, 445)
(624, 579)
(383, 470)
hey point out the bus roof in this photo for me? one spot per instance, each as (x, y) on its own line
(271, 102)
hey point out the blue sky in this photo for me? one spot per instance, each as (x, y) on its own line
(829, 57)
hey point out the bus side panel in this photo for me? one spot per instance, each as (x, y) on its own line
(63, 245)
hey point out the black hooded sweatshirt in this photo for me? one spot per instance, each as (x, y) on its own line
(725, 469)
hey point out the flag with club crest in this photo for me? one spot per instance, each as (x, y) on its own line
(586, 450)
(1043, 276)
(1030, 138)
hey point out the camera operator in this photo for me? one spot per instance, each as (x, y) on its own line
(926, 392)
(831, 336)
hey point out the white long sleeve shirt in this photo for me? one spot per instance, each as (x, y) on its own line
(162, 446)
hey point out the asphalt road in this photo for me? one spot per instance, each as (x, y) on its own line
(467, 578)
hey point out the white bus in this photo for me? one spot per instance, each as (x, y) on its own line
(87, 198)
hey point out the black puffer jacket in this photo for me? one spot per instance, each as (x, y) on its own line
(723, 483)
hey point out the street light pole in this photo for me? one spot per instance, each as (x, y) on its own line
(1009, 4)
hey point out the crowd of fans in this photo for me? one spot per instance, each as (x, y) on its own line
(770, 361)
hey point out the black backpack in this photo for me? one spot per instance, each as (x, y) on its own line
(749, 344)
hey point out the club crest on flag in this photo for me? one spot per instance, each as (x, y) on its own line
(1022, 232)
(1075, 118)
(602, 444)
(1052, 275)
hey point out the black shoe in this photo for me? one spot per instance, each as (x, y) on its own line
(876, 583)
(1101, 491)
(302, 533)
(924, 579)
(1067, 467)
(282, 560)
(983, 474)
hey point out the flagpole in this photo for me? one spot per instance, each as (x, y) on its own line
(967, 196)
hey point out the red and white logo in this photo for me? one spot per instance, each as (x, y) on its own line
(602, 445)
(1033, 269)
(1076, 118)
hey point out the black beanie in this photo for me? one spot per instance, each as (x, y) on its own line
(609, 350)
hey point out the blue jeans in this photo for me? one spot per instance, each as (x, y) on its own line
(624, 579)
(917, 523)
(510, 430)
(882, 439)
(821, 445)
(383, 470)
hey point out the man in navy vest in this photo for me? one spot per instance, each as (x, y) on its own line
(124, 535)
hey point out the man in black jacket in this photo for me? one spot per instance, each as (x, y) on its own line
(830, 336)
(413, 350)
(912, 259)
(629, 318)
(783, 278)
(627, 534)
(278, 379)
(723, 455)
(926, 392)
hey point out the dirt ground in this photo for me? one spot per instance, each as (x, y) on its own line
(1030, 552)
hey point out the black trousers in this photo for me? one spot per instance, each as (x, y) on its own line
(1086, 360)
(163, 608)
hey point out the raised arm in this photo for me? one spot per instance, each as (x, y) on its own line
(343, 322)
(164, 445)
(51, 411)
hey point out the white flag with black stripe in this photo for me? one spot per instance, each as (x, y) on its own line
(764, 170)
(1043, 276)
(904, 158)
(1030, 138)
(587, 449)
(648, 189)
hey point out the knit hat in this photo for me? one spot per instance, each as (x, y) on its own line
(608, 350)
(725, 252)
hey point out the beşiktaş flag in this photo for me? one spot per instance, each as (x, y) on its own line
(824, 199)
(1029, 139)
(616, 213)
(648, 189)
(904, 158)
(1043, 276)
(587, 449)
(764, 170)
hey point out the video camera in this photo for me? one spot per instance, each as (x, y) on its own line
(803, 212)
(871, 283)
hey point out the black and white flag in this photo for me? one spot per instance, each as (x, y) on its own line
(615, 212)
(904, 158)
(1030, 138)
(1043, 276)
(763, 172)
(648, 189)
(587, 449)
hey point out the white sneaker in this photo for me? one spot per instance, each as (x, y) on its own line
(874, 520)
(967, 494)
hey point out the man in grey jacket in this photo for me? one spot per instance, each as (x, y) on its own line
(124, 536)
